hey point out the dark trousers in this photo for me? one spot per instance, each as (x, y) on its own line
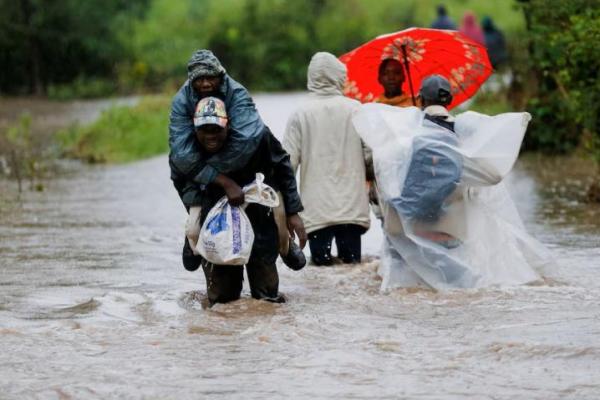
(224, 282)
(347, 240)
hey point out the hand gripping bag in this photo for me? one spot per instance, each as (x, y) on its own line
(226, 237)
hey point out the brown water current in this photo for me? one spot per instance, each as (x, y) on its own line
(95, 304)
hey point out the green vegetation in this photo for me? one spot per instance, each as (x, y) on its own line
(70, 48)
(23, 155)
(559, 78)
(122, 134)
(266, 44)
(46, 43)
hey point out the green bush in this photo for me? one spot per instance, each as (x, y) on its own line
(560, 75)
(267, 44)
(44, 43)
(132, 45)
(121, 134)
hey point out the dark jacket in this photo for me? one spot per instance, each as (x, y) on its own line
(443, 22)
(274, 163)
(244, 121)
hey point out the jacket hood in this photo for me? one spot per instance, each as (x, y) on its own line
(488, 24)
(326, 75)
(469, 20)
(204, 63)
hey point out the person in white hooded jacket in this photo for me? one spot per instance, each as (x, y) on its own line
(323, 143)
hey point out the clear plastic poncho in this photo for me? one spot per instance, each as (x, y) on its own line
(448, 219)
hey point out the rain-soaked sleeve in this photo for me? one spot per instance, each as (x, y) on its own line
(246, 129)
(292, 141)
(184, 154)
(189, 192)
(284, 176)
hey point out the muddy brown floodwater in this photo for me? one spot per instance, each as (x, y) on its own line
(94, 304)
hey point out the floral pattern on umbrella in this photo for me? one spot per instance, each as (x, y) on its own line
(428, 51)
(414, 49)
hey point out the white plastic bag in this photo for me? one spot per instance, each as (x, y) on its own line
(472, 235)
(226, 237)
(192, 227)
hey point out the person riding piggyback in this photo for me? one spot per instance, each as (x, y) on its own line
(224, 283)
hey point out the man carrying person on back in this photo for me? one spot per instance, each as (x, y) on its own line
(212, 136)
(207, 77)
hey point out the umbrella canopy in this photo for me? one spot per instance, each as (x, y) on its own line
(422, 52)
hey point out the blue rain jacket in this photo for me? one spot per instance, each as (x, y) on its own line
(245, 125)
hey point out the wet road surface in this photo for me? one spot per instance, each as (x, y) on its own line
(94, 304)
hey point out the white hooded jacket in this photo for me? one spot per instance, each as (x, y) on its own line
(322, 141)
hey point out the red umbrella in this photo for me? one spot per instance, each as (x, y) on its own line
(422, 52)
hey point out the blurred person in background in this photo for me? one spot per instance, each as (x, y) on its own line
(471, 29)
(443, 21)
(322, 142)
(494, 41)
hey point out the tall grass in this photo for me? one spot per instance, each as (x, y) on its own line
(121, 134)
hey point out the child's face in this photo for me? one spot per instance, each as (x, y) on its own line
(211, 137)
(392, 77)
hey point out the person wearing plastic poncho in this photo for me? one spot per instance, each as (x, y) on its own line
(207, 77)
(448, 218)
(224, 282)
(322, 142)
